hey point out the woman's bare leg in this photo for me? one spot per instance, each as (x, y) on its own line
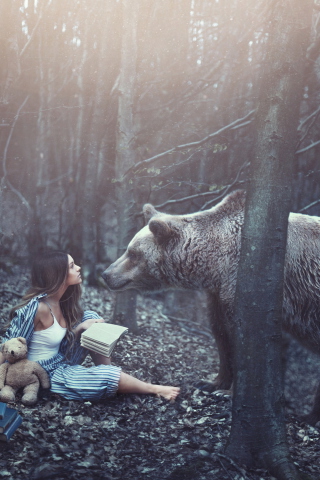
(129, 384)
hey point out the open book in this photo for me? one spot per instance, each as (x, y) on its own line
(102, 337)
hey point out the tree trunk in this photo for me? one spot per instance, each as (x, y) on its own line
(258, 430)
(10, 61)
(125, 307)
(90, 203)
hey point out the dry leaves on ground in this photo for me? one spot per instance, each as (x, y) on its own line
(131, 437)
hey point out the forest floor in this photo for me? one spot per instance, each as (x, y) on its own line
(131, 437)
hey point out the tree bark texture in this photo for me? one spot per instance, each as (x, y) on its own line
(90, 202)
(258, 430)
(11, 68)
(125, 307)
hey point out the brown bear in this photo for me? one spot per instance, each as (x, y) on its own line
(201, 251)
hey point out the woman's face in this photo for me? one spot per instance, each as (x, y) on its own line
(74, 277)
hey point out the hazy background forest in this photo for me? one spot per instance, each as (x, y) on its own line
(92, 92)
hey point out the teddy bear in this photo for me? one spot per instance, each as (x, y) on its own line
(19, 372)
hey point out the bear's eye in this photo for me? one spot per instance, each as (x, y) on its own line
(132, 255)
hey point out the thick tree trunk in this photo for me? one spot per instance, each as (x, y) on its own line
(37, 235)
(9, 49)
(125, 307)
(258, 431)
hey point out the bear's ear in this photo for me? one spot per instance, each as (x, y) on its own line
(161, 230)
(149, 211)
(22, 340)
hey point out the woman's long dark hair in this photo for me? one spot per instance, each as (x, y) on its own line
(49, 272)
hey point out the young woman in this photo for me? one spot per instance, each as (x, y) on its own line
(50, 318)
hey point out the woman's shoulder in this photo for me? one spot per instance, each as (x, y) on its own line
(21, 324)
(43, 308)
(31, 305)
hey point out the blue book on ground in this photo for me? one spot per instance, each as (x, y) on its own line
(8, 418)
(3, 407)
(7, 434)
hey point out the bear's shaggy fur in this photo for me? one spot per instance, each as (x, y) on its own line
(201, 251)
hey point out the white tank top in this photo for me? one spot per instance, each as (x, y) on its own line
(45, 343)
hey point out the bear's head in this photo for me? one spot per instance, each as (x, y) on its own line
(15, 349)
(145, 265)
(189, 251)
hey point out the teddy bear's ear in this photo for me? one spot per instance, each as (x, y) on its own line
(22, 340)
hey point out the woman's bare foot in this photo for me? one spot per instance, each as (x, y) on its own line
(129, 384)
(169, 393)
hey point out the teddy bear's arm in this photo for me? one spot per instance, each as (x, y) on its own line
(43, 376)
(3, 373)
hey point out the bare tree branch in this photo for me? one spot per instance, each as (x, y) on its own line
(188, 183)
(309, 206)
(224, 190)
(187, 145)
(227, 188)
(241, 125)
(312, 145)
(192, 91)
(31, 36)
(190, 197)
(49, 182)
(4, 159)
(173, 166)
(313, 117)
(308, 118)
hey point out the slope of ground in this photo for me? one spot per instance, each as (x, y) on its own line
(132, 437)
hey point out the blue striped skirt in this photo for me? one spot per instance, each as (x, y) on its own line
(76, 382)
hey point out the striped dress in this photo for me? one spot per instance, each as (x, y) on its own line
(67, 376)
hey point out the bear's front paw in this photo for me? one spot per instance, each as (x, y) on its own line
(217, 384)
(222, 382)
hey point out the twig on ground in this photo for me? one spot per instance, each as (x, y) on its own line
(240, 470)
(224, 468)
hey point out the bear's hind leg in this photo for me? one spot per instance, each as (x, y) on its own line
(219, 325)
